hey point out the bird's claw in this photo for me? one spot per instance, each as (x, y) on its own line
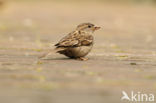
(82, 59)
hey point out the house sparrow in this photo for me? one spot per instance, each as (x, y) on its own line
(77, 44)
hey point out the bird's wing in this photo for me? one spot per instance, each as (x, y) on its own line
(75, 39)
(86, 40)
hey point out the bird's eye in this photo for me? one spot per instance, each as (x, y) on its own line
(89, 26)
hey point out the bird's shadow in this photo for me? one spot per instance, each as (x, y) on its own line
(50, 59)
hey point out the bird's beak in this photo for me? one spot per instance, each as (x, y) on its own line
(96, 28)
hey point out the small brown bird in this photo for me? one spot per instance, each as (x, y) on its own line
(77, 44)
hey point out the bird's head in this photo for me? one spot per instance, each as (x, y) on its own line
(87, 27)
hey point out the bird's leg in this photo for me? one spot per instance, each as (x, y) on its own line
(82, 58)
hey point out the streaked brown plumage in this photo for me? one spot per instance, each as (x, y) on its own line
(78, 43)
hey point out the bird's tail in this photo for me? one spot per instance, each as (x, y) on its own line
(50, 52)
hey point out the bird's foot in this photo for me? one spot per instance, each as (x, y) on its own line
(82, 59)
